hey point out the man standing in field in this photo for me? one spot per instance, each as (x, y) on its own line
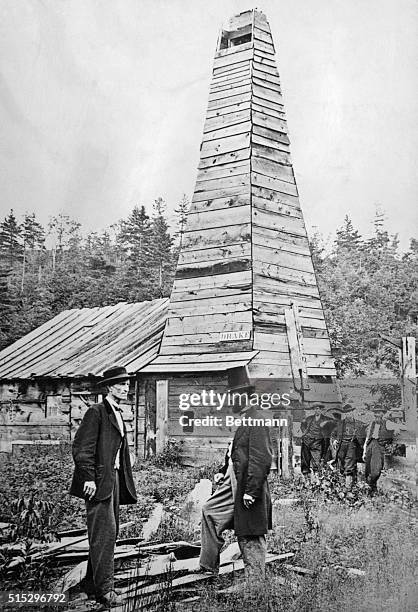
(347, 435)
(314, 440)
(103, 478)
(241, 502)
(379, 433)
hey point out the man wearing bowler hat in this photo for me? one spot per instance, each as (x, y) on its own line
(103, 478)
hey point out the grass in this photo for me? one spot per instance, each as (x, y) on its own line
(329, 538)
(327, 533)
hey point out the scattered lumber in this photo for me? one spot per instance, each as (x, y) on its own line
(72, 533)
(298, 570)
(71, 578)
(193, 578)
(145, 583)
(181, 549)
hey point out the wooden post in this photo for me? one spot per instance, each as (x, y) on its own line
(162, 415)
(289, 418)
(285, 451)
(136, 414)
(409, 398)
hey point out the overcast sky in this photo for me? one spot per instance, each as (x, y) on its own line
(102, 104)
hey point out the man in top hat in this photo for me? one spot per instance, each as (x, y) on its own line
(348, 434)
(103, 478)
(315, 439)
(379, 433)
(242, 501)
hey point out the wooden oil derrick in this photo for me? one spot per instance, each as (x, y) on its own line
(245, 296)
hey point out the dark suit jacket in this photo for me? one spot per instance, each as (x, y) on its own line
(94, 451)
(251, 457)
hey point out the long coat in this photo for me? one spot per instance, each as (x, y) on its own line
(95, 446)
(251, 457)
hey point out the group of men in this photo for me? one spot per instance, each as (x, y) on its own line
(103, 479)
(343, 440)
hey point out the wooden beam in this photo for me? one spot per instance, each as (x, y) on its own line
(161, 415)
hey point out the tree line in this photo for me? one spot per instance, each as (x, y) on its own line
(47, 269)
(368, 287)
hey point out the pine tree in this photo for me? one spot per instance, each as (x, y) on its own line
(161, 249)
(347, 237)
(181, 214)
(11, 248)
(33, 233)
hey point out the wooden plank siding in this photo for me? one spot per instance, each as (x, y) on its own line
(245, 255)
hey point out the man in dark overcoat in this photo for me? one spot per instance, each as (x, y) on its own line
(315, 439)
(103, 478)
(379, 434)
(242, 502)
(348, 435)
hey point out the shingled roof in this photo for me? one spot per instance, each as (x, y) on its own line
(85, 341)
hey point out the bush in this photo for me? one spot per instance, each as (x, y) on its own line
(45, 473)
(170, 456)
